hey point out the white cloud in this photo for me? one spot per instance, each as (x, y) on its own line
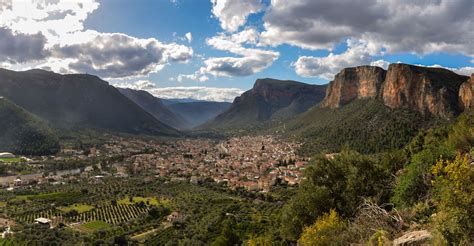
(233, 14)
(194, 77)
(248, 62)
(116, 55)
(54, 19)
(198, 92)
(462, 70)
(380, 63)
(189, 37)
(358, 53)
(137, 85)
(195, 92)
(397, 25)
(50, 34)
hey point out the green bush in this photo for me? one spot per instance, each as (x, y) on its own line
(341, 183)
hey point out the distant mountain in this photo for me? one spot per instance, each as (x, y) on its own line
(269, 99)
(199, 112)
(23, 133)
(179, 100)
(78, 101)
(155, 107)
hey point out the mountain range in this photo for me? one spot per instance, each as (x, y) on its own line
(155, 107)
(78, 101)
(365, 107)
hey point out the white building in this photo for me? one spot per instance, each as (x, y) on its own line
(6, 155)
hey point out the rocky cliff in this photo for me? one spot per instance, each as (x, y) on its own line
(354, 83)
(269, 99)
(427, 90)
(433, 90)
(466, 93)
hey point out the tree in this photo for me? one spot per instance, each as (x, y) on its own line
(341, 183)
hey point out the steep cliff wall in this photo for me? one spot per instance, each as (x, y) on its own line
(466, 93)
(433, 90)
(354, 83)
(429, 90)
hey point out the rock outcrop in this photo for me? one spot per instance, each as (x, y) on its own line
(433, 90)
(466, 93)
(422, 237)
(428, 90)
(354, 83)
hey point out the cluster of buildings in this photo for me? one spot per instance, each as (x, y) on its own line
(254, 163)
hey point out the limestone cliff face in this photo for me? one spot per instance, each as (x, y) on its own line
(433, 90)
(466, 93)
(429, 90)
(354, 83)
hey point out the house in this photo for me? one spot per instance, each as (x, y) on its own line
(43, 221)
(175, 217)
(6, 155)
(5, 225)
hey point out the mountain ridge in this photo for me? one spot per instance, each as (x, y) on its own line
(155, 107)
(24, 133)
(78, 101)
(269, 99)
(425, 89)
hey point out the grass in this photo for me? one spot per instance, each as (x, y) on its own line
(11, 160)
(80, 208)
(5, 242)
(136, 199)
(94, 226)
(3, 204)
(54, 196)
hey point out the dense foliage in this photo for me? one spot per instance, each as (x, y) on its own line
(366, 126)
(430, 182)
(339, 183)
(23, 133)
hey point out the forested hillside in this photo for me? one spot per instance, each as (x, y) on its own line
(23, 133)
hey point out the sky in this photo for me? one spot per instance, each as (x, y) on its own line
(216, 49)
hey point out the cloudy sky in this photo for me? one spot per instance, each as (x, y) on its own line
(215, 49)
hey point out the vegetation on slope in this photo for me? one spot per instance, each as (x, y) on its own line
(78, 101)
(23, 133)
(366, 126)
(430, 183)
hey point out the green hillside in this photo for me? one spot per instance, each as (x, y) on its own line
(78, 101)
(23, 133)
(367, 126)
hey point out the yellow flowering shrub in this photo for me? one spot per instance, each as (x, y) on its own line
(325, 231)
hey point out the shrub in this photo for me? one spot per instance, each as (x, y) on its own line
(454, 196)
(325, 231)
(341, 183)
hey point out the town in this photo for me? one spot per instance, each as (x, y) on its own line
(254, 163)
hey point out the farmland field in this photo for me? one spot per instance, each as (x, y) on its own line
(80, 208)
(11, 160)
(53, 196)
(94, 226)
(136, 199)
